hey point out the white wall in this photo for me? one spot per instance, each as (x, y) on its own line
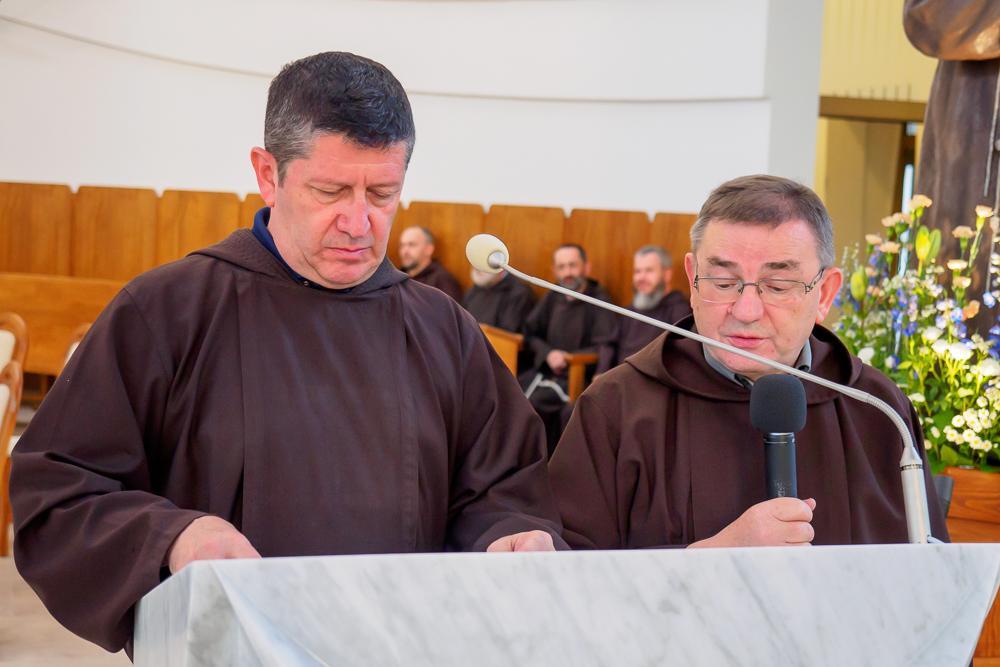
(627, 104)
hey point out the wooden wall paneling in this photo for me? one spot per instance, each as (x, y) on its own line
(673, 232)
(399, 223)
(114, 232)
(53, 307)
(35, 225)
(531, 233)
(452, 226)
(189, 221)
(252, 203)
(610, 239)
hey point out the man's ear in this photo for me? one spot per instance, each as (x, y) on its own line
(689, 270)
(828, 287)
(668, 278)
(265, 168)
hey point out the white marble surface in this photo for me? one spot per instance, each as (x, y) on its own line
(851, 605)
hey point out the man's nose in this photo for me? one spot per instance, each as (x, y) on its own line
(353, 218)
(748, 306)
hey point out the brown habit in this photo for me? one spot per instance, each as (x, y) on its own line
(372, 420)
(660, 451)
(437, 276)
(558, 323)
(503, 305)
(631, 335)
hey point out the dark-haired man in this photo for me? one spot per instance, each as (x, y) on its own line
(660, 450)
(416, 257)
(558, 325)
(284, 392)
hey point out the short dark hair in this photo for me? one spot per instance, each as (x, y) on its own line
(577, 247)
(336, 93)
(428, 234)
(767, 200)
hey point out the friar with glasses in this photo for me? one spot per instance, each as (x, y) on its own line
(285, 392)
(660, 450)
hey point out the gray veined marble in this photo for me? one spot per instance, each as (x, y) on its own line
(848, 605)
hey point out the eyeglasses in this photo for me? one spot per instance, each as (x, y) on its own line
(772, 291)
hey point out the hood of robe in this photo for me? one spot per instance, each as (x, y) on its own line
(242, 249)
(679, 363)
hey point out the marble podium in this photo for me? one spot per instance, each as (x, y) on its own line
(849, 605)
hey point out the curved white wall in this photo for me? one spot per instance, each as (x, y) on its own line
(629, 104)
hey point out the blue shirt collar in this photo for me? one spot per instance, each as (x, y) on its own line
(263, 234)
(803, 363)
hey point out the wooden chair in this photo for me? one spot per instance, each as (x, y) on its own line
(578, 363)
(507, 344)
(74, 341)
(11, 382)
(13, 339)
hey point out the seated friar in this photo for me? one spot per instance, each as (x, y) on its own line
(499, 300)
(416, 258)
(660, 451)
(558, 325)
(286, 392)
(652, 271)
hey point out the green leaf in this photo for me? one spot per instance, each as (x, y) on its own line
(949, 456)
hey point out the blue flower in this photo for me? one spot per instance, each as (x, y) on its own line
(989, 300)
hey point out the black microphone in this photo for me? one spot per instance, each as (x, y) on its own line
(488, 253)
(778, 410)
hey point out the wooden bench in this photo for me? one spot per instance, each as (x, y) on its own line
(53, 307)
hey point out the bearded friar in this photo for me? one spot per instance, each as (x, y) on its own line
(652, 271)
(559, 325)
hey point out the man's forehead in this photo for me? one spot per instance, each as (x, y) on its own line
(563, 255)
(338, 149)
(787, 245)
(648, 259)
(412, 234)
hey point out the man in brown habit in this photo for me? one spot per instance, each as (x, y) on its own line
(660, 451)
(284, 392)
(499, 300)
(652, 270)
(559, 324)
(416, 257)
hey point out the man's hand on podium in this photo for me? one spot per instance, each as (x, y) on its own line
(772, 523)
(208, 538)
(533, 540)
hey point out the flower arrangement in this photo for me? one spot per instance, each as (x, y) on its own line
(905, 312)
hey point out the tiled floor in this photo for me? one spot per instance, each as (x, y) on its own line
(29, 637)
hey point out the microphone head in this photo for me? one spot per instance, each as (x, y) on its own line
(487, 253)
(778, 404)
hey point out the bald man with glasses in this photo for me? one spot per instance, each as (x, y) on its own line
(660, 450)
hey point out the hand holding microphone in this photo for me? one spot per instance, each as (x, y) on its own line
(488, 253)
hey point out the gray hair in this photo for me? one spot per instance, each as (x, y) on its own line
(666, 261)
(767, 200)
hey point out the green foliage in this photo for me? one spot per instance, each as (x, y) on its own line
(906, 315)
